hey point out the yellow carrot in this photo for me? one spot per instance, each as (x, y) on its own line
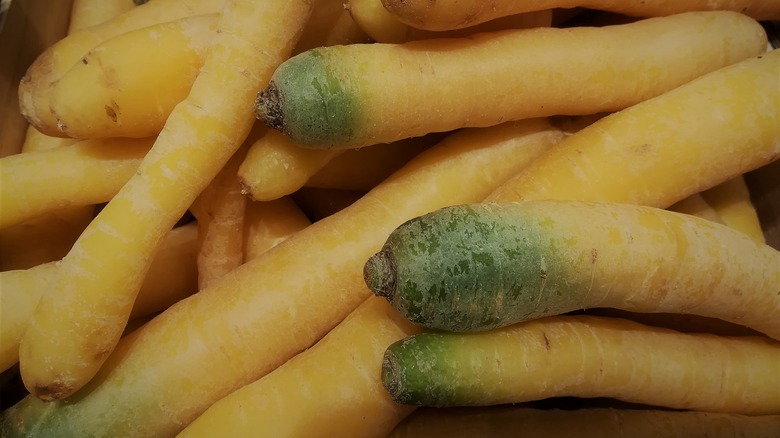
(362, 169)
(269, 223)
(173, 274)
(127, 85)
(266, 311)
(275, 166)
(332, 389)
(455, 14)
(99, 278)
(42, 239)
(318, 203)
(731, 201)
(364, 94)
(171, 277)
(87, 173)
(35, 140)
(330, 24)
(695, 205)
(35, 86)
(220, 210)
(586, 356)
(641, 155)
(383, 27)
(86, 13)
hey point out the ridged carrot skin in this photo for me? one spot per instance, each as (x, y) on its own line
(482, 266)
(364, 94)
(586, 356)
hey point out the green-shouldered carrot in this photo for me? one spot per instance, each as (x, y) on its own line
(482, 266)
(456, 14)
(364, 94)
(265, 312)
(586, 356)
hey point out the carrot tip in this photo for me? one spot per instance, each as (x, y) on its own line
(379, 274)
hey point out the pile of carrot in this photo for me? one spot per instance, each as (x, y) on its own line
(379, 218)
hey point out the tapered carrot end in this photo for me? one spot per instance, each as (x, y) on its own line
(379, 274)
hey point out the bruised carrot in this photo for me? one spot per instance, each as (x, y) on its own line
(482, 266)
(641, 155)
(113, 92)
(586, 357)
(456, 14)
(364, 94)
(35, 86)
(265, 312)
(331, 389)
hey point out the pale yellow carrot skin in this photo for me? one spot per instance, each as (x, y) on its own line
(171, 277)
(114, 91)
(86, 13)
(220, 210)
(456, 14)
(35, 140)
(275, 166)
(383, 27)
(42, 239)
(588, 356)
(86, 173)
(504, 421)
(731, 201)
(332, 389)
(20, 292)
(100, 277)
(265, 312)
(695, 205)
(640, 155)
(379, 93)
(35, 86)
(362, 169)
(173, 274)
(269, 223)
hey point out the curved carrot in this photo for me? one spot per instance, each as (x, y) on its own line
(113, 92)
(481, 266)
(641, 156)
(101, 275)
(332, 389)
(86, 173)
(364, 94)
(265, 312)
(586, 357)
(35, 86)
